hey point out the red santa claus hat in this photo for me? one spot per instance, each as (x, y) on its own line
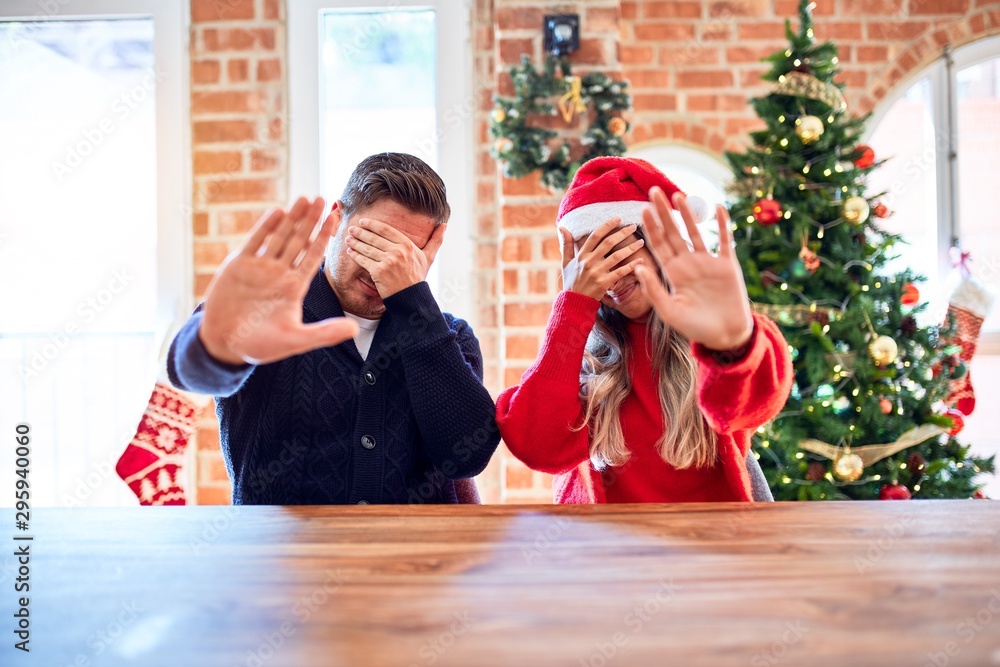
(615, 187)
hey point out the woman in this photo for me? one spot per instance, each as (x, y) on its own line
(654, 372)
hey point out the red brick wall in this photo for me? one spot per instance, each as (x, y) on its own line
(692, 64)
(486, 318)
(239, 153)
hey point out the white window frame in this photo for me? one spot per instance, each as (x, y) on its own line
(943, 81)
(455, 108)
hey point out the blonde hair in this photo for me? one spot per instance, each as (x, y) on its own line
(605, 383)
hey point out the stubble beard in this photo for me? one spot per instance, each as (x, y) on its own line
(343, 274)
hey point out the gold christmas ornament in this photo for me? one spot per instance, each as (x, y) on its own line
(802, 84)
(498, 115)
(883, 350)
(809, 129)
(856, 210)
(617, 126)
(572, 102)
(848, 467)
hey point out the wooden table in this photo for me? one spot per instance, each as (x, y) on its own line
(886, 583)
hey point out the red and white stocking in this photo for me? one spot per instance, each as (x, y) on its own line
(970, 303)
(153, 463)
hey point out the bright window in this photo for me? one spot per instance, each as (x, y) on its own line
(951, 110)
(906, 134)
(379, 88)
(91, 220)
(368, 76)
(978, 97)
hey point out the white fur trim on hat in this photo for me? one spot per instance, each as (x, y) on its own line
(583, 220)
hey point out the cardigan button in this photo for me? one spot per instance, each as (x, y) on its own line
(368, 442)
(369, 377)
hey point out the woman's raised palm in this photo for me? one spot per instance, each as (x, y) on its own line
(701, 295)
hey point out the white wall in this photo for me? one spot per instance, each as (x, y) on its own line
(982, 427)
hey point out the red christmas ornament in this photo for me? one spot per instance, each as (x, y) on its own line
(885, 404)
(894, 491)
(881, 210)
(865, 157)
(767, 211)
(809, 259)
(957, 421)
(979, 495)
(911, 295)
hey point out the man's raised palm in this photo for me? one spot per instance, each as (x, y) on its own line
(253, 308)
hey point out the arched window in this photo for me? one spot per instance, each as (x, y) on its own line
(696, 172)
(942, 133)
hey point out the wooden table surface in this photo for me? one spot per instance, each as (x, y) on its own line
(886, 583)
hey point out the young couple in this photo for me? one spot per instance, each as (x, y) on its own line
(339, 380)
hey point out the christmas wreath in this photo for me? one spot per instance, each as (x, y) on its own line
(523, 148)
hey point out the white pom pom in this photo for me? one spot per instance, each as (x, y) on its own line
(699, 207)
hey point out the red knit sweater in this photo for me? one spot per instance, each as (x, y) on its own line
(537, 417)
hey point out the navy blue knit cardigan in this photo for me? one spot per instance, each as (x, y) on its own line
(328, 427)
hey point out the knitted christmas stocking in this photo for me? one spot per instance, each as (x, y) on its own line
(970, 303)
(153, 463)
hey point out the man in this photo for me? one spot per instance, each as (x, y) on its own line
(343, 383)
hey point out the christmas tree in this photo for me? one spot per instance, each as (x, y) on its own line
(865, 418)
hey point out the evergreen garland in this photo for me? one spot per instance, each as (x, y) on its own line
(523, 148)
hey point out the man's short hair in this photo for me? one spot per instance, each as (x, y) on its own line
(405, 179)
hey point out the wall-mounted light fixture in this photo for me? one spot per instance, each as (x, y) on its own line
(562, 34)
